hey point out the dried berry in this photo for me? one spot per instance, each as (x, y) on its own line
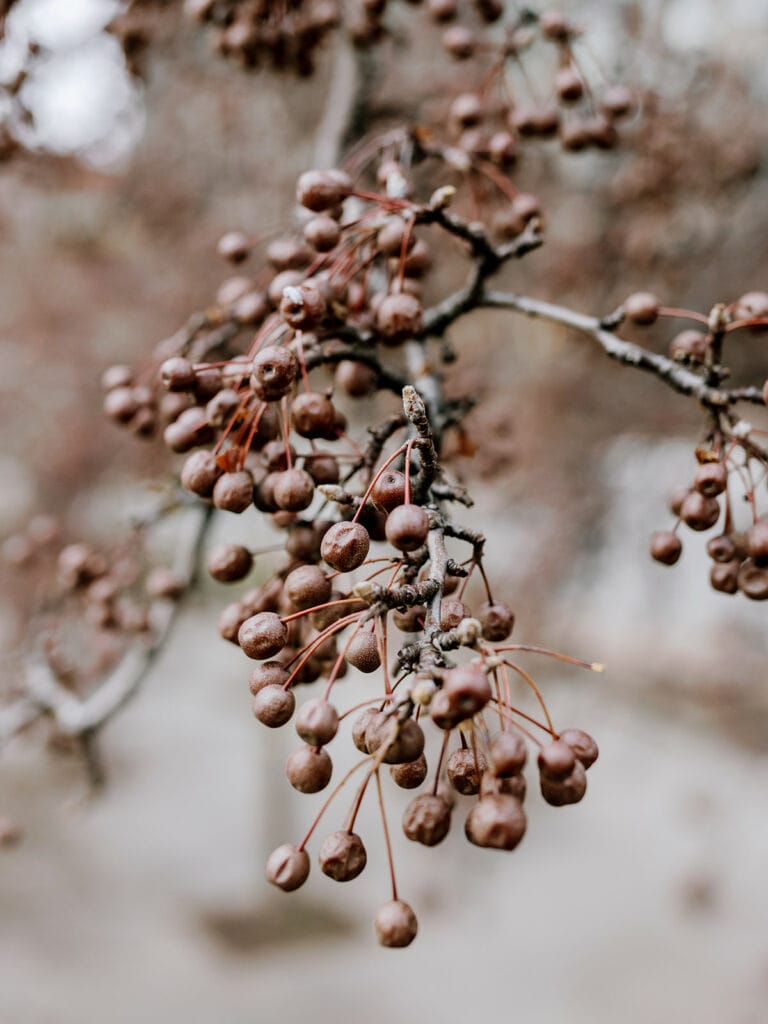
(345, 546)
(465, 769)
(427, 820)
(496, 822)
(342, 856)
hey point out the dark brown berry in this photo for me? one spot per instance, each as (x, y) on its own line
(234, 246)
(233, 492)
(342, 856)
(666, 547)
(753, 581)
(263, 636)
(307, 586)
(410, 620)
(322, 233)
(389, 490)
(360, 728)
(465, 770)
(355, 379)
(721, 549)
(403, 742)
(427, 820)
(698, 512)
(177, 374)
(724, 577)
(230, 562)
(513, 785)
(345, 546)
(467, 690)
(497, 621)
(496, 822)
(407, 527)
(757, 541)
(711, 479)
(568, 790)
(508, 754)
(556, 760)
(363, 651)
(293, 490)
(273, 374)
(411, 774)
(312, 414)
(582, 744)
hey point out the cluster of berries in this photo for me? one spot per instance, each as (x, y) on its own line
(252, 426)
(283, 35)
(100, 598)
(732, 453)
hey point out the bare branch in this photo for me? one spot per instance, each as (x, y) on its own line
(678, 377)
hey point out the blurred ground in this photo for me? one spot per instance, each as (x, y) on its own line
(643, 904)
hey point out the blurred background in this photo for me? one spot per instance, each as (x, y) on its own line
(148, 902)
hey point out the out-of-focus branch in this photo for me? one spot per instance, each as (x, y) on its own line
(82, 717)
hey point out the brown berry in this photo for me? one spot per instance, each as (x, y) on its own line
(711, 479)
(270, 673)
(317, 722)
(582, 744)
(363, 651)
(342, 856)
(273, 374)
(293, 490)
(508, 754)
(698, 512)
(465, 770)
(230, 562)
(407, 527)
(309, 770)
(427, 820)
(556, 760)
(307, 586)
(262, 636)
(395, 925)
(273, 705)
(233, 492)
(409, 775)
(288, 867)
(345, 546)
(496, 822)
(666, 547)
(568, 790)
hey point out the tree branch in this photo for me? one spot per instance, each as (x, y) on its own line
(678, 377)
